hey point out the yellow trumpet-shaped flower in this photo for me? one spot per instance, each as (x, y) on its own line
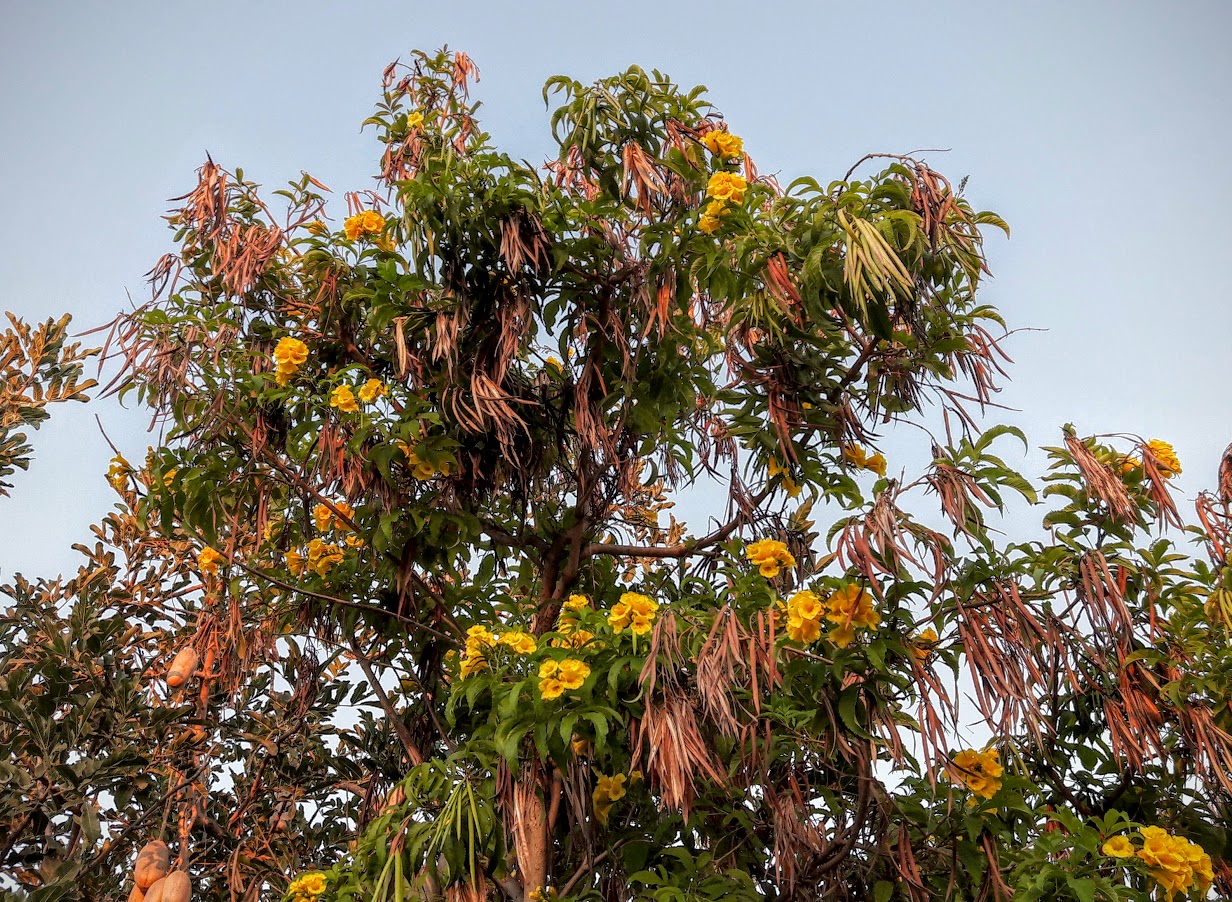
(769, 556)
(369, 222)
(371, 390)
(343, 397)
(727, 186)
(722, 144)
(980, 772)
(208, 560)
(1165, 458)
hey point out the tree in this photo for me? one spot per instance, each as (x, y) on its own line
(414, 519)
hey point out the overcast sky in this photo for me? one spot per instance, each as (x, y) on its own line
(1099, 130)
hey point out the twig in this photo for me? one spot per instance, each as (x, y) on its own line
(400, 727)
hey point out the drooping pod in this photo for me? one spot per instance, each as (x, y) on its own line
(155, 892)
(177, 887)
(182, 667)
(153, 863)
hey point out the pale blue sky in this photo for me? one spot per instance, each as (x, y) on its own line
(1098, 129)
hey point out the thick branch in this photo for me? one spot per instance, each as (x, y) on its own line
(682, 549)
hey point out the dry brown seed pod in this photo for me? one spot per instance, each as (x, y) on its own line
(153, 863)
(177, 887)
(182, 667)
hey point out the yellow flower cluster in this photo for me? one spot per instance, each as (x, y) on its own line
(369, 222)
(850, 607)
(289, 355)
(804, 612)
(567, 624)
(343, 397)
(774, 468)
(727, 187)
(557, 676)
(1175, 863)
(857, 456)
(635, 611)
(980, 772)
(922, 644)
(478, 640)
(770, 556)
(322, 556)
(325, 519)
(723, 144)
(723, 188)
(1165, 458)
(519, 641)
(208, 560)
(306, 887)
(117, 473)
(421, 469)
(371, 390)
(608, 791)
(415, 119)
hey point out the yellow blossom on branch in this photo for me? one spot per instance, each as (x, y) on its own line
(850, 607)
(208, 560)
(518, 641)
(572, 673)
(922, 644)
(805, 605)
(1165, 458)
(117, 473)
(472, 664)
(635, 611)
(608, 790)
(289, 355)
(980, 772)
(557, 676)
(1119, 847)
(723, 144)
(312, 884)
(371, 390)
(321, 517)
(804, 612)
(325, 518)
(1175, 863)
(322, 556)
(368, 222)
(727, 186)
(806, 632)
(344, 399)
(858, 457)
(769, 556)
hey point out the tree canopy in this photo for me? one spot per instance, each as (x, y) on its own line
(401, 605)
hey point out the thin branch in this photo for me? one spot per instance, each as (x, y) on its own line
(581, 872)
(355, 605)
(400, 727)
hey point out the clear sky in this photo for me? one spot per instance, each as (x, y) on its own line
(1099, 130)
